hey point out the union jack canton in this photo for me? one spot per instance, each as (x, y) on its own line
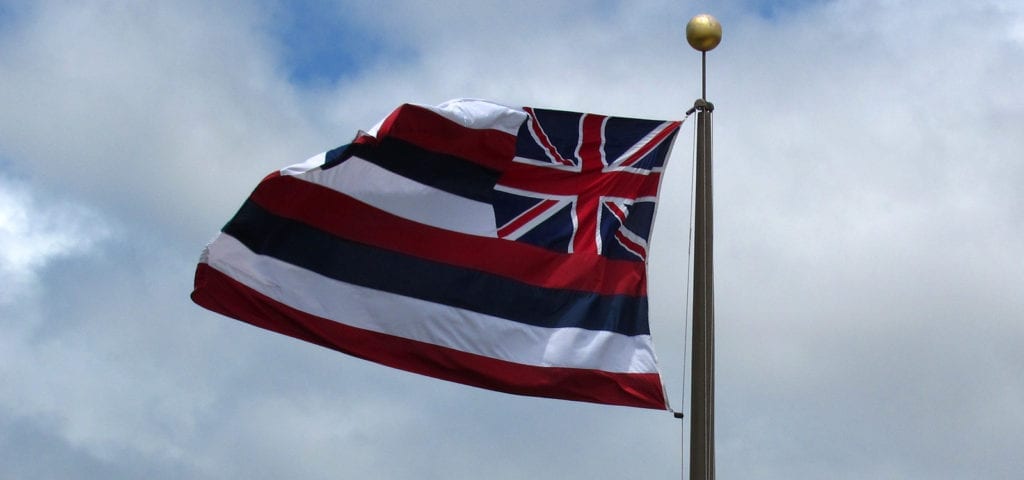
(583, 183)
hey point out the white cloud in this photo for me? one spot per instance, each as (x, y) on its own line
(868, 226)
(178, 108)
(34, 233)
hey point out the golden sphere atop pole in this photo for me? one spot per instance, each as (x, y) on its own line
(703, 32)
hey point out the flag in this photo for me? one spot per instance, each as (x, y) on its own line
(498, 247)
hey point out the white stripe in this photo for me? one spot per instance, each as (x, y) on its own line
(405, 198)
(428, 322)
(309, 164)
(481, 114)
(475, 114)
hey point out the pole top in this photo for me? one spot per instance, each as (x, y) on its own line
(703, 32)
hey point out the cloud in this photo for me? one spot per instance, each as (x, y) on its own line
(176, 108)
(868, 226)
(866, 217)
(35, 232)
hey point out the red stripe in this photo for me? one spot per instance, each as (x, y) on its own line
(490, 148)
(222, 294)
(351, 219)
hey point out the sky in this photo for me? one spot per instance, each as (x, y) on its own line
(868, 212)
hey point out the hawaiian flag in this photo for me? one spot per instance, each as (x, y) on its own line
(498, 247)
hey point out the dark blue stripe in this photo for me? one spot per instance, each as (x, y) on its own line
(452, 174)
(358, 264)
(335, 156)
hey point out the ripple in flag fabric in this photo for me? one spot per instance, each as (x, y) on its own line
(498, 247)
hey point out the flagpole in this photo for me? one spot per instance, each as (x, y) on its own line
(703, 33)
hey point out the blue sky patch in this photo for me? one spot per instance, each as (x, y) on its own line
(322, 44)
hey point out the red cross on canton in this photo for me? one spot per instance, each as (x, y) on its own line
(584, 183)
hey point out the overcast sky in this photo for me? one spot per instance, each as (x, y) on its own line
(869, 164)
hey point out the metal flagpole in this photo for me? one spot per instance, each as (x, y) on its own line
(703, 33)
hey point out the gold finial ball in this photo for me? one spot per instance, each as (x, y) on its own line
(703, 32)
